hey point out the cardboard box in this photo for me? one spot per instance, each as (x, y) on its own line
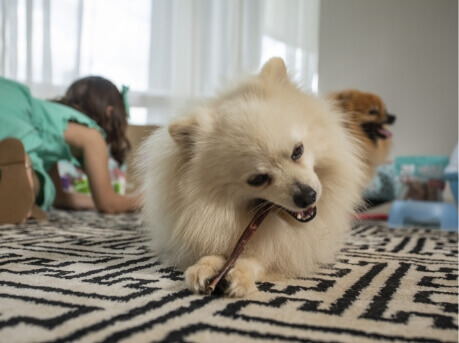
(136, 134)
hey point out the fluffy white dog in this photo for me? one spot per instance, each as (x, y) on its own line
(264, 141)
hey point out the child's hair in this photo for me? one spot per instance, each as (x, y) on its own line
(92, 95)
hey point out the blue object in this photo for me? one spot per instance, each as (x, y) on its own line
(452, 178)
(423, 213)
(422, 167)
(451, 173)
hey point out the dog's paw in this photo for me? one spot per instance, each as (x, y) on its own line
(241, 281)
(198, 275)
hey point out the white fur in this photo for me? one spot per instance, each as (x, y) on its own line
(195, 192)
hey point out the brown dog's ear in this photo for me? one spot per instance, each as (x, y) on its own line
(275, 70)
(183, 130)
(342, 98)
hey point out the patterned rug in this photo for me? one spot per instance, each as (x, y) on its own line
(91, 278)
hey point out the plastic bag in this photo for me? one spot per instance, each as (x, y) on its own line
(421, 177)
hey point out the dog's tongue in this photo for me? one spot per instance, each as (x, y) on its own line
(384, 132)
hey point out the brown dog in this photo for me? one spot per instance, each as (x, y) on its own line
(368, 120)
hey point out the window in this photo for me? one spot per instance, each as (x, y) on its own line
(166, 51)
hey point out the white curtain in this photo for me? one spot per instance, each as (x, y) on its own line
(166, 51)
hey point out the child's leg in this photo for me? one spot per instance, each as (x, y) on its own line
(35, 212)
(33, 178)
(17, 188)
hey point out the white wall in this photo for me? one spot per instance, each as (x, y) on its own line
(407, 52)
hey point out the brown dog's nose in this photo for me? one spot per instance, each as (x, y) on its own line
(390, 118)
(304, 195)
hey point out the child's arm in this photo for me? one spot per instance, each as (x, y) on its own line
(90, 145)
(69, 200)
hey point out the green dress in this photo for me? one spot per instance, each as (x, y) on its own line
(40, 125)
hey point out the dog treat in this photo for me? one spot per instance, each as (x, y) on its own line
(240, 245)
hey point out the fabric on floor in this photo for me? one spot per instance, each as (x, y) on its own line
(90, 278)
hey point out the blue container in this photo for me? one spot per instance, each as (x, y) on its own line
(452, 178)
(429, 214)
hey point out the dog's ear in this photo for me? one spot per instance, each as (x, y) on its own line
(275, 70)
(343, 98)
(183, 130)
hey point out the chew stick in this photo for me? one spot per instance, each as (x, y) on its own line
(240, 245)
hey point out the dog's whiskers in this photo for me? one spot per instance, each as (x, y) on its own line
(257, 207)
(269, 208)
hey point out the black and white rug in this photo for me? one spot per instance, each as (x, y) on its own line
(91, 278)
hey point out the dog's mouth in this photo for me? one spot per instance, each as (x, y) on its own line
(383, 132)
(379, 130)
(302, 216)
(376, 130)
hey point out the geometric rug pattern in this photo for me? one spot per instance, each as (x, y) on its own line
(88, 277)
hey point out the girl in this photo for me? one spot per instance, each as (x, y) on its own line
(35, 134)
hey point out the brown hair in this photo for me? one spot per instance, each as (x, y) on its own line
(92, 95)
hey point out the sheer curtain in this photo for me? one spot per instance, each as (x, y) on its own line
(167, 51)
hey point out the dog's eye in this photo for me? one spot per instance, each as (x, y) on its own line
(297, 152)
(374, 112)
(258, 180)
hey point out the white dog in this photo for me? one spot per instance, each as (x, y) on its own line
(264, 141)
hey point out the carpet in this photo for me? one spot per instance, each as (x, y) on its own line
(88, 277)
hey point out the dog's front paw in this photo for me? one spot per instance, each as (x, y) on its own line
(241, 281)
(197, 276)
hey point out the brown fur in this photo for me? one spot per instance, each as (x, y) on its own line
(357, 105)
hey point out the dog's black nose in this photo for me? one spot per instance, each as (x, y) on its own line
(304, 195)
(390, 118)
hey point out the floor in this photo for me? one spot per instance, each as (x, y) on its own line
(87, 277)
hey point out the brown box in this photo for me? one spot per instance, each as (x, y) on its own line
(136, 134)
